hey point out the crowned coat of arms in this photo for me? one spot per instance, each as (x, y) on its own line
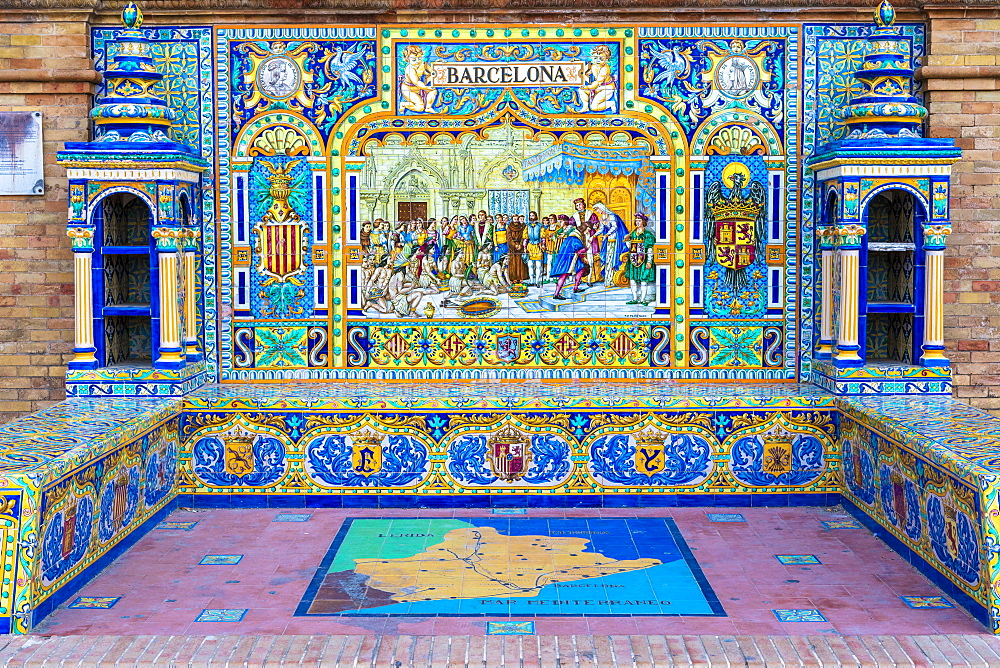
(281, 240)
(509, 455)
(736, 223)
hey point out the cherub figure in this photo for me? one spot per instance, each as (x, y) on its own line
(417, 90)
(598, 93)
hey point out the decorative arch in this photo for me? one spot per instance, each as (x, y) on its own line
(413, 170)
(279, 123)
(896, 185)
(663, 134)
(757, 125)
(505, 158)
(414, 161)
(184, 206)
(145, 197)
(831, 202)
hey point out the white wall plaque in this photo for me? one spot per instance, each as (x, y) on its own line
(21, 163)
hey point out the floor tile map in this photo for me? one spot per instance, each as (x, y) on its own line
(485, 567)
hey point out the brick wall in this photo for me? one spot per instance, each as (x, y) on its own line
(43, 64)
(962, 76)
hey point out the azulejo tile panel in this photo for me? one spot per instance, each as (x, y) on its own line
(933, 496)
(414, 202)
(521, 568)
(88, 511)
(576, 449)
(79, 478)
(73, 433)
(922, 467)
(183, 54)
(831, 53)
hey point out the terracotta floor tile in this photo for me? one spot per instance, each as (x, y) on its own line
(856, 586)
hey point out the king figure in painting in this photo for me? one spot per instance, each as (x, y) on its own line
(640, 271)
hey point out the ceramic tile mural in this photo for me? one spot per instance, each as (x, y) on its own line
(430, 445)
(74, 504)
(184, 55)
(522, 567)
(906, 465)
(916, 466)
(616, 207)
(416, 202)
(385, 134)
(831, 53)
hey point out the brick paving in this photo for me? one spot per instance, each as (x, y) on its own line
(752, 651)
(855, 586)
(163, 588)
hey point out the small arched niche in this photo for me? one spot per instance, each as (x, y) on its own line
(124, 289)
(892, 267)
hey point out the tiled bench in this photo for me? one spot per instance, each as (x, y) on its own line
(84, 479)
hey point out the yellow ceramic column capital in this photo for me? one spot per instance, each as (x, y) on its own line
(933, 346)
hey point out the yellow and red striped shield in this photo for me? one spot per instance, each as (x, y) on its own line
(282, 250)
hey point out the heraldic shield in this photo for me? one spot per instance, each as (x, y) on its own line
(777, 453)
(239, 453)
(508, 347)
(281, 250)
(282, 241)
(509, 455)
(366, 454)
(737, 224)
(650, 454)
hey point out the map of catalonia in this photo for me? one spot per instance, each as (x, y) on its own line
(480, 562)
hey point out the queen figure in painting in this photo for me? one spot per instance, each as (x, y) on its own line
(611, 231)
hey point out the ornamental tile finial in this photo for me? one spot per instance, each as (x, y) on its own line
(132, 108)
(132, 16)
(883, 105)
(885, 15)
